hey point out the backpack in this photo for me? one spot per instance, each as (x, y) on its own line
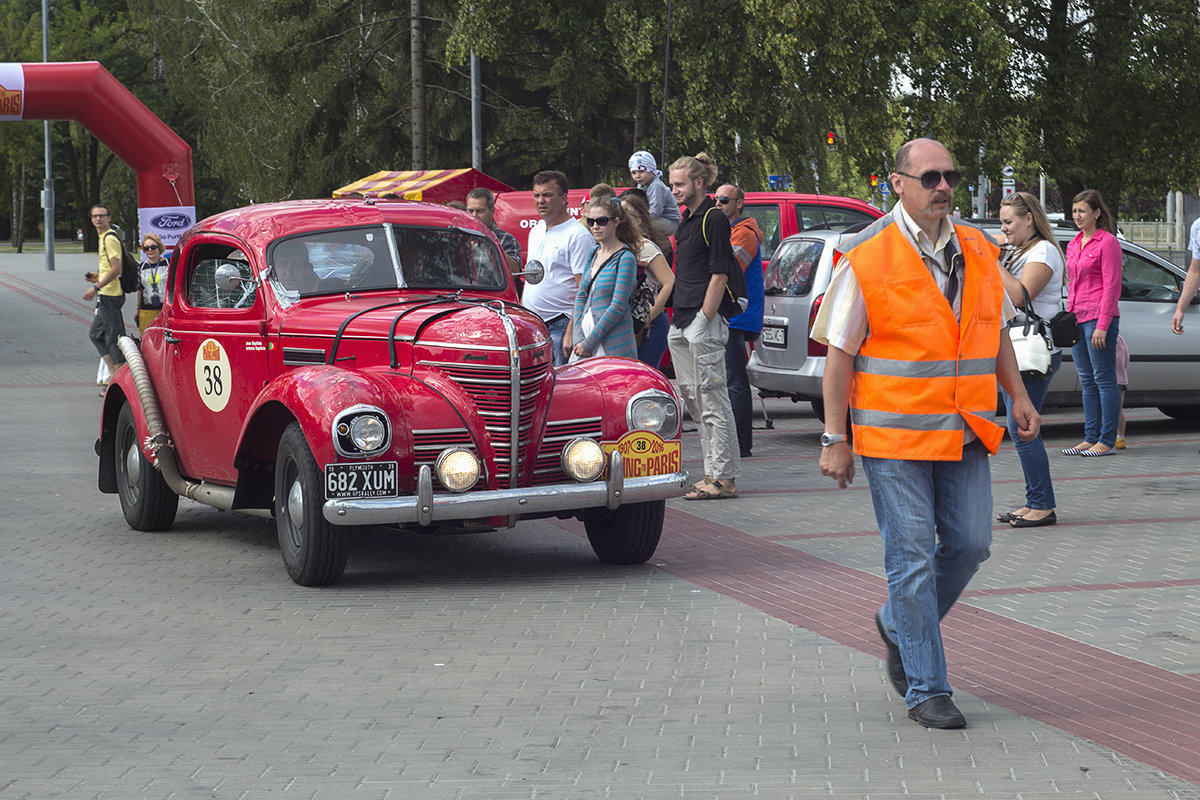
(737, 296)
(129, 279)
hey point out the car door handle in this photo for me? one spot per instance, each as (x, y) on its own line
(171, 339)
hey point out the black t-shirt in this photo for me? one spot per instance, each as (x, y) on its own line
(696, 261)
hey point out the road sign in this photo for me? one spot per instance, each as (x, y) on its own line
(885, 189)
(1008, 171)
(779, 183)
(1009, 187)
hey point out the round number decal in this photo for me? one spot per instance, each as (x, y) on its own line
(213, 377)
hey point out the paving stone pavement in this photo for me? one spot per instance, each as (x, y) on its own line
(739, 663)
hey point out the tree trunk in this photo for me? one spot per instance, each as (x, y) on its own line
(641, 114)
(418, 88)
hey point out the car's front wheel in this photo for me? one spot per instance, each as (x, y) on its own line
(146, 501)
(314, 551)
(628, 535)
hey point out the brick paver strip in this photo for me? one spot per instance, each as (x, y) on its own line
(1145, 712)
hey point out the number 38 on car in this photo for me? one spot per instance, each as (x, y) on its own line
(341, 364)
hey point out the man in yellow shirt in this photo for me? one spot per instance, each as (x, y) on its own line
(107, 326)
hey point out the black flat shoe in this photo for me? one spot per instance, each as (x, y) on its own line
(938, 712)
(1007, 516)
(1025, 522)
(895, 667)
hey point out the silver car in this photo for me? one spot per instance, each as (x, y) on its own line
(1164, 369)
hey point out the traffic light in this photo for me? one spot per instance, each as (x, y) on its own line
(874, 181)
(830, 140)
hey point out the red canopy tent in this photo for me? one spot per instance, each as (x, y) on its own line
(427, 185)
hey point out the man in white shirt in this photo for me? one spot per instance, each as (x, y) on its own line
(562, 245)
(1192, 282)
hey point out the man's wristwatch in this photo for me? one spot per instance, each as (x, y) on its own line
(828, 439)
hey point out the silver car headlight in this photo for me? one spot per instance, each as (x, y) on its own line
(360, 431)
(457, 468)
(583, 460)
(655, 411)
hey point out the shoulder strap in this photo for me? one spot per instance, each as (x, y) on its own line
(704, 225)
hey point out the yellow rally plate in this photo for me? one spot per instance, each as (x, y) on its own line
(644, 453)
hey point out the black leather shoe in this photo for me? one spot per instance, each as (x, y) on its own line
(895, 667)
(937, 712)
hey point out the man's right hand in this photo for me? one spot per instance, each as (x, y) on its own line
(1177, 322)
(837, 461)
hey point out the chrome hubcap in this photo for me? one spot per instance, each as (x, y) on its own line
(295, 504)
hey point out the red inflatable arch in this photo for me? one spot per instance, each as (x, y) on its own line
(87, 93)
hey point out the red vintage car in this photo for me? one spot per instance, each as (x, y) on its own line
(345, 363)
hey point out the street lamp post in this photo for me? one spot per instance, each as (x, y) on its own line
(48, 189)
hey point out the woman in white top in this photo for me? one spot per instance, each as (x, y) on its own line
(1033, 263)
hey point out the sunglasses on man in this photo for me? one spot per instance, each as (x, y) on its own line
(930, 179)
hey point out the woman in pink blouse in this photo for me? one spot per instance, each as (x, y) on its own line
(1094, 273)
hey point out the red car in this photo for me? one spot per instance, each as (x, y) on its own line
(344, 363)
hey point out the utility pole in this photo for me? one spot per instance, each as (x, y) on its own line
(48, 188)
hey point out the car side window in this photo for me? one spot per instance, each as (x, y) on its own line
(838, 219)
(220, 281)
(792, 270)
(767, 217)
(1144, 280)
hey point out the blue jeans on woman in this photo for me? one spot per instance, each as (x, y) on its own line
(1098, 379)
(1039, 489)
(654, 341)
(935, 519)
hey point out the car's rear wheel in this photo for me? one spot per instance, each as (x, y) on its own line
(314, 551)
(628, 535)
(1181, 412)
(146, 501)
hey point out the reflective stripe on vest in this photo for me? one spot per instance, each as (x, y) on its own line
(921, 376)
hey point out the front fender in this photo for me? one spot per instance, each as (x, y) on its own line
(607, 383)
(313, 396)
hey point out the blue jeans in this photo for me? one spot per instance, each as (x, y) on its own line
(739, 389)
(1098, 379)
(935, 518)
(1039, 489)
(654, 341)
(557, 331)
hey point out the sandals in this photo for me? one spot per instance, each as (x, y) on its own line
(712, 490)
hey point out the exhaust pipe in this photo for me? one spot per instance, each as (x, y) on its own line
(160, 442)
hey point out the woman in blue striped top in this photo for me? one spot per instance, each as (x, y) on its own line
(601, 324)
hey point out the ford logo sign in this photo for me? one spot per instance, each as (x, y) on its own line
(170, 222)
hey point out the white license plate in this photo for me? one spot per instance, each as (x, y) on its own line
(773, 336)
(374, 479)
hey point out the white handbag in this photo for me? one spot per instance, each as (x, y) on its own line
(1031, 340)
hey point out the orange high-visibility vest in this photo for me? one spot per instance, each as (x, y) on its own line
(921, 376)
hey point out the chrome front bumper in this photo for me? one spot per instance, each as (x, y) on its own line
(426, 508)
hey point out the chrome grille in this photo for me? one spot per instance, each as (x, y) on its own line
(490, 388)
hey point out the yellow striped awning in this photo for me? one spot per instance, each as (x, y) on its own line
(428, 185)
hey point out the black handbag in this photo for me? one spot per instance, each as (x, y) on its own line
(1064, 329)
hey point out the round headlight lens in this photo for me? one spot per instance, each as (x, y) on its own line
(655, 413)
(367, 432)
(583, 460)
(457, 469)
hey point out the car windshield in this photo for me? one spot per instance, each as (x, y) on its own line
(383, 257)
(793, 267)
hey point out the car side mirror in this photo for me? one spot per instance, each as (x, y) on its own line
(228, 278)
(534, 272)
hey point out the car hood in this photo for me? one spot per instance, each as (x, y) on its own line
(480, 329)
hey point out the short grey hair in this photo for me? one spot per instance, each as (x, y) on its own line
(481, 193)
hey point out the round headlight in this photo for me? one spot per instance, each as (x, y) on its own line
(656, 413)
(367, 433)
(457, 469)
(583, 460)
